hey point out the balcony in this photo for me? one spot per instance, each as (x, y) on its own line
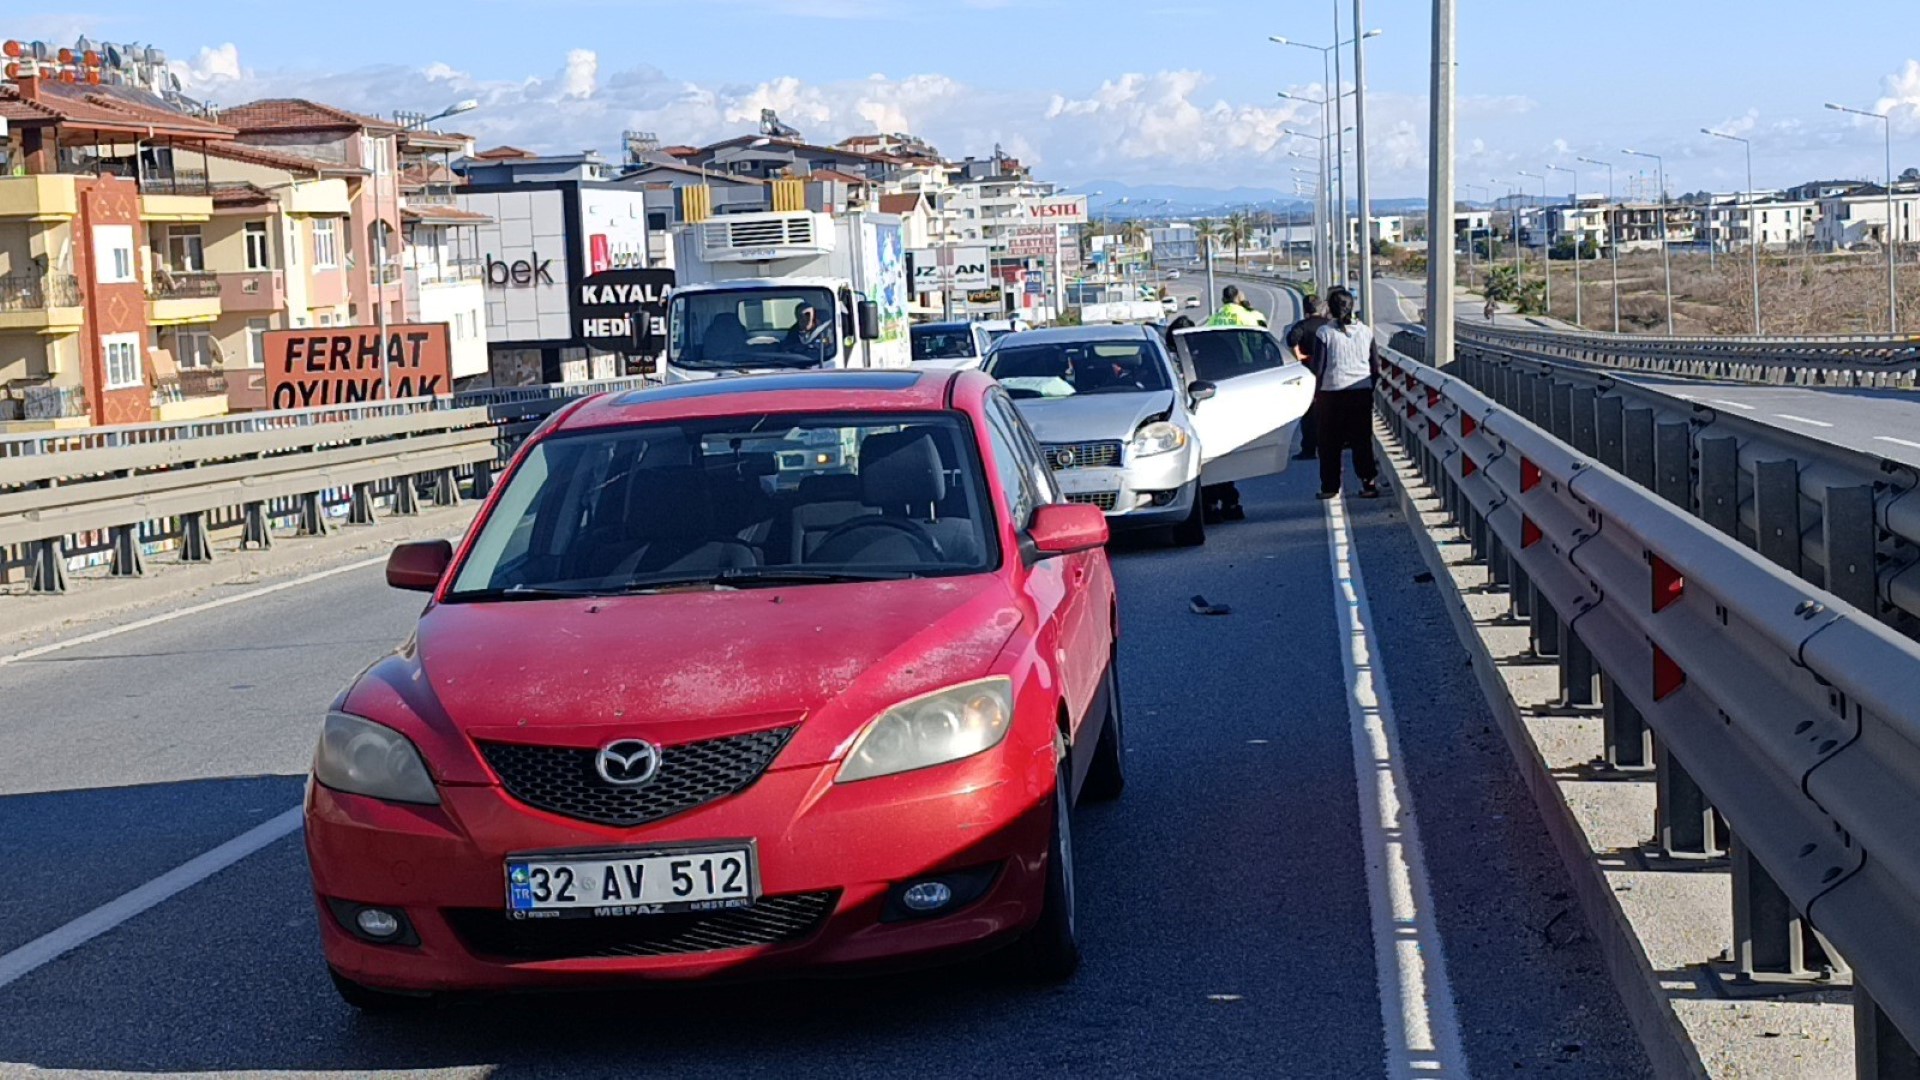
(38, 198)
(446, 272)
(190, 394)
(37, 406)
(43, 303)
(176, 182)
(176, 298)
(253, 290)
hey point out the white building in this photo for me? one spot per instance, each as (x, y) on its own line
(1729, 221)
(1860, 218)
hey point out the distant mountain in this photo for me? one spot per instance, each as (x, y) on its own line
(1116, 199)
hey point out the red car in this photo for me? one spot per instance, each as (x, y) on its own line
(758, 674)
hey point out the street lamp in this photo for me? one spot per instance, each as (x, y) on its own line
(1330, 75)
(1893, 298)
(1546, 238)
(1666, 256)
(380, 224)
(1613, 242)
(1753, 221)
(1579, 241)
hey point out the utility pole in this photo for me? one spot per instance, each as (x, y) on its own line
(1546, 239)
(1360, 166)
(1753, 220)
(1666, 251)
(1440, 190)
(1613, 239)
(1893, 244)
(1579, 242)
(1340, 145)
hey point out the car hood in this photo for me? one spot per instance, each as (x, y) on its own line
(1093, 417)
(680, 667)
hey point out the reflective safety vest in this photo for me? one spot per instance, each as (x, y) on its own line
(1235, 315)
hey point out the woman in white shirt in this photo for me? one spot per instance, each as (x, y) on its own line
(1346, 356)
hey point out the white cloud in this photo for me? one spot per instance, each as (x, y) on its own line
(1903, 97)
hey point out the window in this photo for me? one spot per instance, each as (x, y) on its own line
(326, 319)
(113, 254)
(1130, 365)
(326, 243)
(293, 243)
(186, 251)
(257, 341)
(123, 358)
(1219, 355)
(373, 151)
(1016, 479)
(191, 346)
(259, 250)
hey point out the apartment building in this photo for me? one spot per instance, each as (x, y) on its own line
(439, 259)
(1731, 221)
(1858, 218)
(100, 186)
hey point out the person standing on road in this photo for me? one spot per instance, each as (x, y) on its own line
(1346, 356)
(1236, 310)
(1300, 337)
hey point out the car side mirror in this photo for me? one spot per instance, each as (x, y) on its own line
(1201, 390)
(418, 565)
(1064, 528)
(869, 315)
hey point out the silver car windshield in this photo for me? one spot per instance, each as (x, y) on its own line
(1070, 369)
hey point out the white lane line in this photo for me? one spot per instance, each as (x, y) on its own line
(169, 616)
(1730, 404)
(1416, 1001)
(1898, 442)
(1802, 419)
(54, 944)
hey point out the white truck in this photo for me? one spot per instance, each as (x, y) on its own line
(787, 291)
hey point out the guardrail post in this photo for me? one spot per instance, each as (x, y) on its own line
(1586, 436)
(1720, 484)
(256, 528)
(1628, 739)
(1499, 570)
(1772, 942)
(1545, 634)
(49, 566)
(1776, 499)
(1636, 447)
(1609, 435)
(1852, 566)
(1540, 408)
(482, 479)
(1519, 594)
(313, 514)
(1688, 826)
(1579, 675)
(446, 488)
(360, 512)
(1673, 463)
(127, 560)
(1560, 411)
(406, 499)
(1880, 1051)
(196, 544)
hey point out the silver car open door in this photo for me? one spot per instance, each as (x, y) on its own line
(1260, 394)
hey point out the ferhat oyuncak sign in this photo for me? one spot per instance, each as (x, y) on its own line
(339, 365)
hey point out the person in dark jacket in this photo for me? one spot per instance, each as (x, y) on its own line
(1346, 356)
(1300, 339)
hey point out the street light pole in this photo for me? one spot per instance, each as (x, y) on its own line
(1753, 221)
(1440, 190)
(1338, 93)
(1546, 239)
(1579, 241)
(1893, 244)
(380, 227)
(1666, 254)
(1360, 164)
(1613, 240)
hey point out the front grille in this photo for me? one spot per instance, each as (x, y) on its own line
(1084, 455)
(1105, 500)
(562, 778)
(772, 920)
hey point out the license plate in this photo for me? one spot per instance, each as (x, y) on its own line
(1086, 481)
(615, 883)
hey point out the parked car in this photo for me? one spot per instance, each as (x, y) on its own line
(793, 672)
(949, 345)
(1193, 302)
(999, 328)
(1305, 266)
(1127, 429)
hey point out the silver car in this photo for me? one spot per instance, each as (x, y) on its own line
(1132, 430)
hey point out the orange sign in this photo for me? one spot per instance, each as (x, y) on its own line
(340, 365)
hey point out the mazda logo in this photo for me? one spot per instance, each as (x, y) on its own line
(627, 762)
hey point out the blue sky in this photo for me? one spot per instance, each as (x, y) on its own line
(1144, 91)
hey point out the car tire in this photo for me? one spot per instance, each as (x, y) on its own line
(1193, 531)
(1050, 952)
(1107, 773)
(377, 1002)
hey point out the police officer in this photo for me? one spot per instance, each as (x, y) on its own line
(1236, 310)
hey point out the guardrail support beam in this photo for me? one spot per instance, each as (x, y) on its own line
(1720, 484)
(1610, 432)
(313, 515)
(256, 527)
(1673, 463)
(406, 498)
(1520, 594)
(482, 479)
(127, 558)
(1560, 410)
(1852, 565)
(1628, 740)
(1776, 497)
(1586, 433)
(1687, 825)
(1636, 447)
(196, 544)
(1545, 635)
(1880, 1051)
(1772, 942)
(49, 566)
(1579, 675)
(360, 511)
(446, 488)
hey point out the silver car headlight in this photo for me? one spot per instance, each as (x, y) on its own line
(1159, 437)
(946, 725)
(361, 757)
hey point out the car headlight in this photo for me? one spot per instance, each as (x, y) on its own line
(361, 757)
(943, 726)
(1159, 437)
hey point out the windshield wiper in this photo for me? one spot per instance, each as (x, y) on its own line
(524, 592)
(748, 576)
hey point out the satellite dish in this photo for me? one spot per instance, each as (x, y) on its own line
(83, 45)
(173, 81)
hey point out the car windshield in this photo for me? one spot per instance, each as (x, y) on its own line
(734, 502)
(942, 342)
(1068, 369)
(752, 328)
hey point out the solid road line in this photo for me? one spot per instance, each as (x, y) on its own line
(54, 944)
(169, 616)
(1417, 1008)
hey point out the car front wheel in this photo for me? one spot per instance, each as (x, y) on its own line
(1193, 531)
(1051, 950)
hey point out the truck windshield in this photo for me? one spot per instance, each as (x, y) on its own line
(753, 328)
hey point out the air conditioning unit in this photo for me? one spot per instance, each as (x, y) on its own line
(766, 237)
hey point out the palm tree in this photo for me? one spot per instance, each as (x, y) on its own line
(1238, 231)
(1207, 231)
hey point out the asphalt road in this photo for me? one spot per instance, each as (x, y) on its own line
(1280, 306)
(1224, 900)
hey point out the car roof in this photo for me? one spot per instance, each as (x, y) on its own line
(885, 390)
(1068, 335)
(956, 324)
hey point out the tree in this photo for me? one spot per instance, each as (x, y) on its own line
(1207, 231)
(1238, 231)
(1911, 176)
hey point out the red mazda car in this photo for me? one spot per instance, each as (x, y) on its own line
(771, 673)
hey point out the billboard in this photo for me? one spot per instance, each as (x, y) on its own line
(613, 230)
(943, 268)
(624, 310)
(1033, 242)
(337, 365)
(524, 265)
(1059, 210)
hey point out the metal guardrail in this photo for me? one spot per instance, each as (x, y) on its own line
(1758, 700)
(1804, 361)
(1843, 520)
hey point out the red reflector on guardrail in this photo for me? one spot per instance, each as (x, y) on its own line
(1412, 410)
(1667, 676)
(1467, 426)
(1668, 584)
(1529, 532)
(1433, 431)
(1529, 475)
(1468, 466)
(1433, 397)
